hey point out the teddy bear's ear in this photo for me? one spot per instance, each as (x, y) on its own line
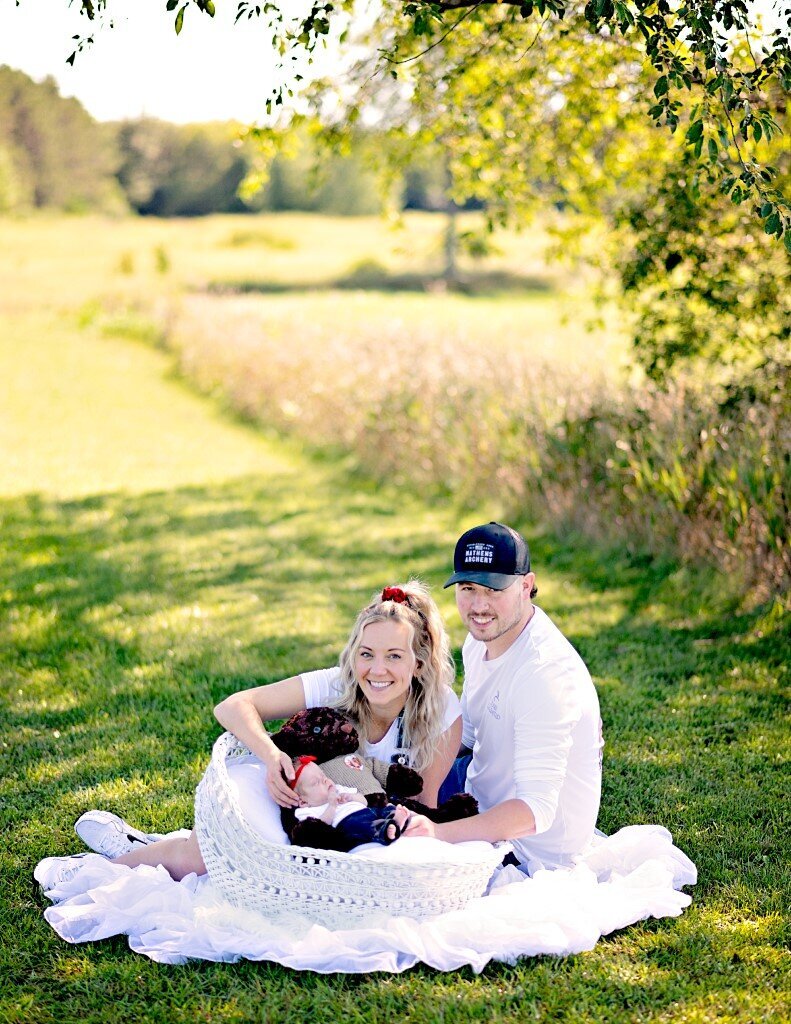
(286, 742)
(286, 738)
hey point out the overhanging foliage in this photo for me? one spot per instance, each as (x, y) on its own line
(703, 84)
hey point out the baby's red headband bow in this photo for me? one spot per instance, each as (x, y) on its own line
(395, 594)
(304, 760)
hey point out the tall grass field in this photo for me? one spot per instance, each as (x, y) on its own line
(190, 504)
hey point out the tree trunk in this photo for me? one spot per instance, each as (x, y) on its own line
(450, 274)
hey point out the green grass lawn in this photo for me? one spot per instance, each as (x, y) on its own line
(157, 556)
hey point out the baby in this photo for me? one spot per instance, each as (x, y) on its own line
(344, 808)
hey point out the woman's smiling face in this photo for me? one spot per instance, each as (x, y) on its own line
(385, 664)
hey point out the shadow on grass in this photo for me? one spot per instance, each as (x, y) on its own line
(378, 279)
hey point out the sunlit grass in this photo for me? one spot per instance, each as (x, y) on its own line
(85, 413)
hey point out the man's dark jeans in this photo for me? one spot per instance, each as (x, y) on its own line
(454, 783)
(456, 778)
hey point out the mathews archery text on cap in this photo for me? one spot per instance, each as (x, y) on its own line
(493, 555)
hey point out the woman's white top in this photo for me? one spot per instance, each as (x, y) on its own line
(323, 688)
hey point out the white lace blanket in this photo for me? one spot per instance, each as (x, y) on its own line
(630, 876)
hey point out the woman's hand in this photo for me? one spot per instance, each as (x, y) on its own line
(277, 766)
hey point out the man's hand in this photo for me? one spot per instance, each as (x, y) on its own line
(420, 825)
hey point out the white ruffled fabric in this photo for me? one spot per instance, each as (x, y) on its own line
(632, 875)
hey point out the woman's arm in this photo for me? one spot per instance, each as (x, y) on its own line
(435, 774)
(244, 714)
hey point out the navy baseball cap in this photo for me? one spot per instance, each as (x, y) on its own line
(493, 555)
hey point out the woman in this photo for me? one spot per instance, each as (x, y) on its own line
(393, 680)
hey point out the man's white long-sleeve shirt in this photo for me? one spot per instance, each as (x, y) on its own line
(531, 718)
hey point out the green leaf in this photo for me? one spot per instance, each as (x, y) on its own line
(757, 131)
(714, 149)
(695, 131)
(773, 225)
(661, 87)
(180, 19)
(172, 5)
(787, 240)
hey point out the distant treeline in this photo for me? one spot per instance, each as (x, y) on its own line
(53, 154)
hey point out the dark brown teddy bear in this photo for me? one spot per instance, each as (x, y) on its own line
(330, 737)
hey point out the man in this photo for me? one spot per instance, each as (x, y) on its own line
(530, 710)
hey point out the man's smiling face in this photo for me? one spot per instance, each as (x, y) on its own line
(496, 617)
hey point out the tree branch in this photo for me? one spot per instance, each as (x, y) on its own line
(416, 56)
(455, 5)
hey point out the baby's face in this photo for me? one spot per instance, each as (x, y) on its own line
(313, 787)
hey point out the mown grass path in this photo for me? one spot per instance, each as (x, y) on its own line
(156, 556)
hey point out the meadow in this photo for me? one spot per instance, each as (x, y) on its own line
(517, 386)
(160, 551)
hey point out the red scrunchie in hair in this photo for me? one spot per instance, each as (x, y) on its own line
(395, 594)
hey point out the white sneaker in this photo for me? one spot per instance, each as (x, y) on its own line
(69, 866)
(110, 835)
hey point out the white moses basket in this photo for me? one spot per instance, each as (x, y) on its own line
(276, 880)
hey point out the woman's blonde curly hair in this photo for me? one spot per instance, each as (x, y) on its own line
(424, 712)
